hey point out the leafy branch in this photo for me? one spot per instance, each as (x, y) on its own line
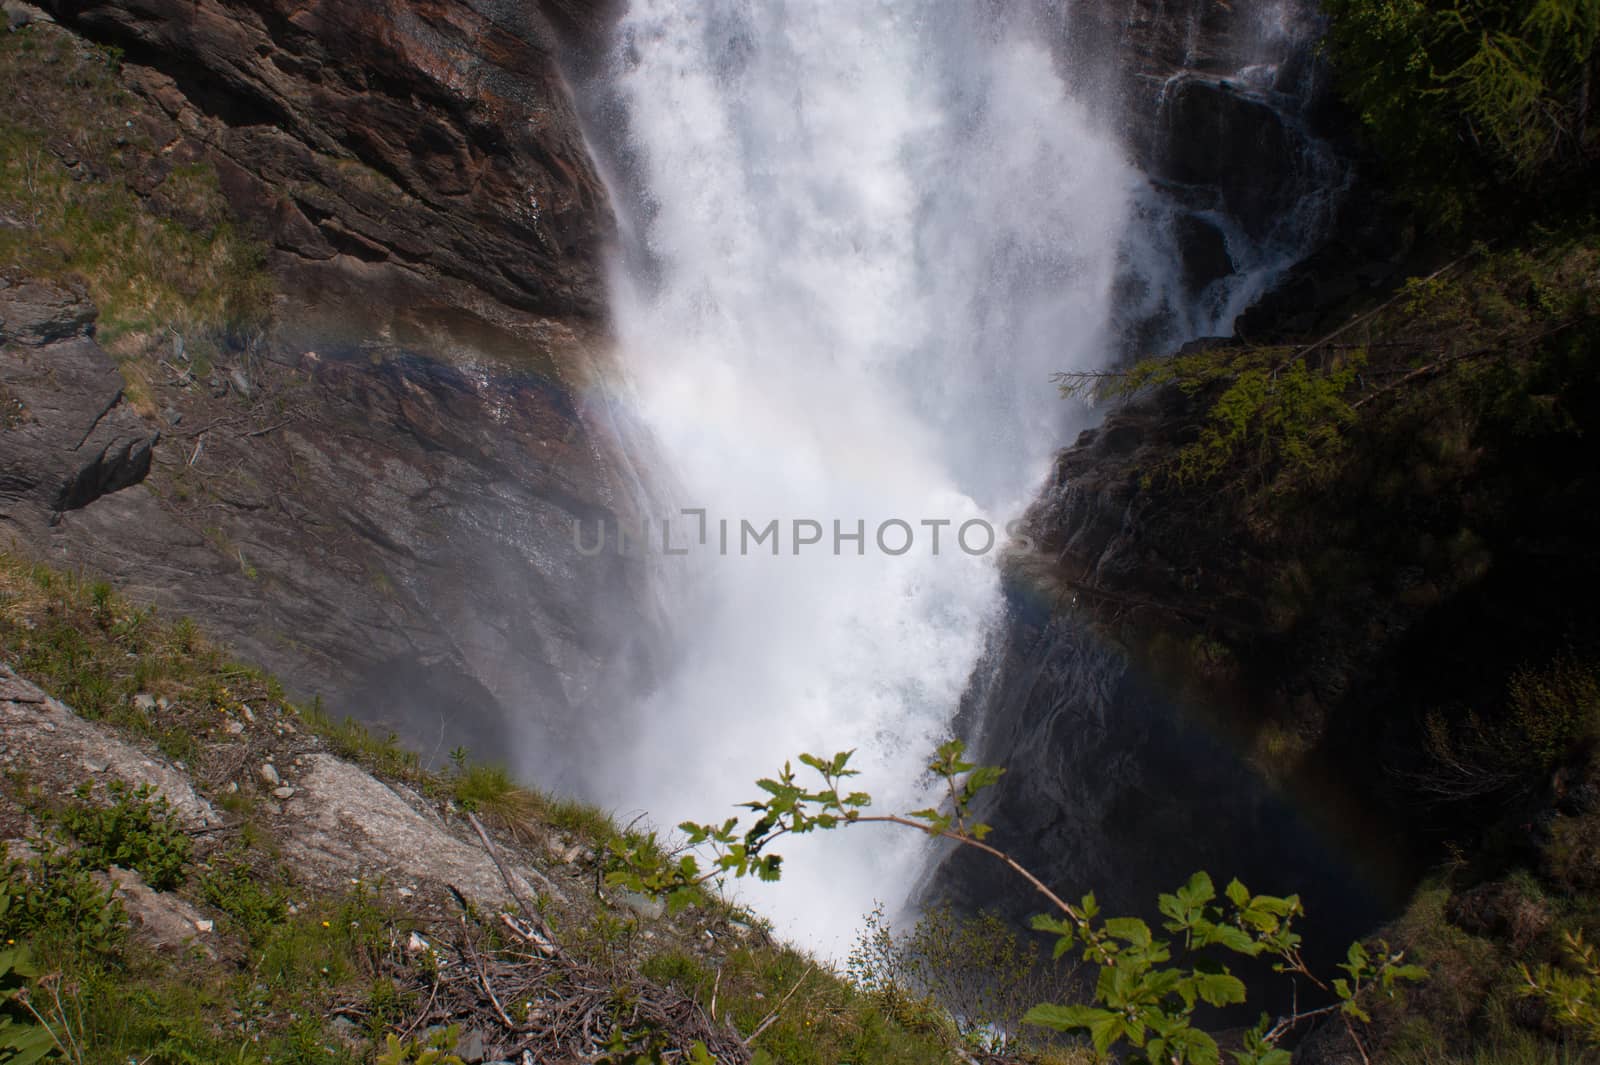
(1141, 998)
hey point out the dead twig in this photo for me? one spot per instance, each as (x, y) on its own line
(505, 874)
(767, 1022)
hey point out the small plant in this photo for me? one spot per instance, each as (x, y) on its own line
(649, 1046)
(435, 1050)
(53, 897)
(490, 793)
(24, 1037)
(980, 971)
(137, 831)
(237, 891)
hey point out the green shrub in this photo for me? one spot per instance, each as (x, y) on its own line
(1570, 992)
(979, 972)
(1268, 411)
(56, 901)
(256, 906)
(23, 1038)
(1556, 707)
(137, 831)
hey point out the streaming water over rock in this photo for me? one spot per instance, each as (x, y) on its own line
(861, 237)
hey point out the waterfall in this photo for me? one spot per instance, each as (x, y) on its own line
(860, 237)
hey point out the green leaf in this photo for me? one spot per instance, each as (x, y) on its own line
(1234, 939)
(1412, 973)
(1200, 889)
(1043, 922)
(1195, 1046)
(1237, 894)
(1107, 1030)
(1219, 989)
(1130, 930)
(1064, 1018)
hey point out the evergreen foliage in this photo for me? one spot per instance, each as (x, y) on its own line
(1471, 100)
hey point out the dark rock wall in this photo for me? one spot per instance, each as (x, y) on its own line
(376, 498)
(69, 439)
(1224, 106)
(1117, 780)
(438, 137)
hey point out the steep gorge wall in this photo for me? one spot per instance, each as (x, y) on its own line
(374, 498)
(1120, 780)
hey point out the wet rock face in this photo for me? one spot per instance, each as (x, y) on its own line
(35, 312)
(391, 533)
(434, 137)
(68, 437)
(1115, 781)
(375, 496)
(1220, 136)
(1114, 788)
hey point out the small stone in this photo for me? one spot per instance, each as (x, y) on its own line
(204, 925)
(233, 728)
(144, 702)
(283, 792)
(244, 709)
(269, 773)
(405, 892)
(643, 905)
(96, 765)
(346, 1031)
(416, 944)
(20, 15)
(469, 1048)
(48, 726)
(241, 383)
(233, 787)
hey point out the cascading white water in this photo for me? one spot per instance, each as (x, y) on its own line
(870, 231)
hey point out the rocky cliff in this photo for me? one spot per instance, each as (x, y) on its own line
(370, 486)
(436, 141)
(1330, 676)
